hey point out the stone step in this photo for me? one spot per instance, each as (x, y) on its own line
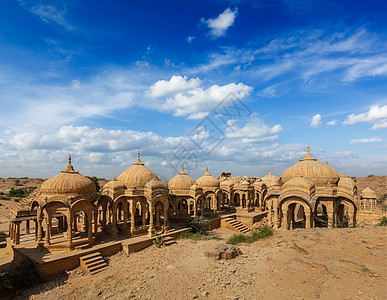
(95, 268)
(99, 270)
(97, 263)
(91, 255)
(93, 262)
(93, 259)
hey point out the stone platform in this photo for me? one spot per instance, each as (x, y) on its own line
(52, 264)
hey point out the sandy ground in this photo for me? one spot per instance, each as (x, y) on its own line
(299, 264)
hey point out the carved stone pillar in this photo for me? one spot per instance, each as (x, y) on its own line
(307, 223)
(17, 233)
(40, 229)
(276, 221)
(89, 227)
(69, 231)
(126, 211)
(47, 236)
(285, 217)
(151, 226)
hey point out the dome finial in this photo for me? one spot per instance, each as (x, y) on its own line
(138, 162)
(206, 168)
(307, 155)
(69, 168)
(182, 167)
(326, 162)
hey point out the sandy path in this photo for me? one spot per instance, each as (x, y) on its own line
(300, 264)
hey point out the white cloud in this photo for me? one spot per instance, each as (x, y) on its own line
(269, 92)
(47, 13)
(219, 25)
(377, 115)
(315, 121)
(367, 140)
(346, 56)
(190, 39)
(197, 103)
(332, 123)
(172, 86)
(253, 131)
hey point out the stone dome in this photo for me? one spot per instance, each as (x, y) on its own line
(310, 168)
(244, 184)
(68, 182)
(368, 193)
(227, 184)
(156, 183)
(258, 183)
(196, 188)
(298, 183)
(270, 179)
(114, 184)
(208, 181)
(347, 183)
(137, 175)
(181, 181)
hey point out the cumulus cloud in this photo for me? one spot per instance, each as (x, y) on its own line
(332, 123)
(253, 131)
(189, 98)
(315, 121)
(174, 85)
(219, 25)
(377, 115)
(367, 140)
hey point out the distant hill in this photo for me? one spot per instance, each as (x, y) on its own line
(376, 183)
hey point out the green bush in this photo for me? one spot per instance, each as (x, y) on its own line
(95, 181)
(197, 236)
(17, 182)
(199, 225)
(2, 233)
(382, 198)
(262, 232)
(159, 240)
(383, 221)
(22, 276)
(21, 193)
(4, 198)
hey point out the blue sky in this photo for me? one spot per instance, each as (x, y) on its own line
(100, 79)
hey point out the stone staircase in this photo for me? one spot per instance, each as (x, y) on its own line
(167, 241)
(233, 224)
(93, 263)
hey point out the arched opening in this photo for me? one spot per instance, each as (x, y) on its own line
(237, 200)
(296, 213)
(243, 201)
(321, 216)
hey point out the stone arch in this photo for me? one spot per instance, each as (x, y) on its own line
(119, 205)
(153, 212)
(237, 199)
(292, 218)
(90, 214)
(48, 210)
(104, 202)
(346, 212)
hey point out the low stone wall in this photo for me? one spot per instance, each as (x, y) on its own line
(51, 268)
(131, 246)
